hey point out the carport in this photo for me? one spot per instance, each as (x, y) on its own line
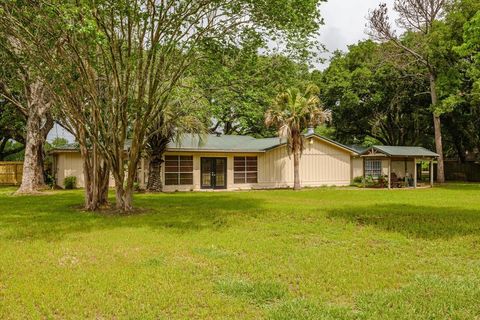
(399, 162)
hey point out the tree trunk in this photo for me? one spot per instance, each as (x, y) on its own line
(296, 171)
(39, 123)
(438, 131)
(154, 183)
(125, 179)
(33, 179)
(158, 145)
(96, 176)
(123, 197)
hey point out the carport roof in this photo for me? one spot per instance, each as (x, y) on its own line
(402, 151)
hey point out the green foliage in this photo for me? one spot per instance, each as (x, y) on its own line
(294, 111)
(380, 96)
(59, 142)
(70, 182)
(12, 131)
(239, 84)
(371, 99)
(358, 179)
(324, 253)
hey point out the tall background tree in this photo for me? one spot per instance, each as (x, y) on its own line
(291, 114)
(12, 131)
(374, 101)
(418, 17)
(22, 83)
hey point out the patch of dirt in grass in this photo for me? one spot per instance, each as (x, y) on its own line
(110, 210)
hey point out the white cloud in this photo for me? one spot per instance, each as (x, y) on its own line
(345, 22)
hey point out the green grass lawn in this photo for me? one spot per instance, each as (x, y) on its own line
(315, 254)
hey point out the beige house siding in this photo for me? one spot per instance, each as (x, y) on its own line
(322, 163)
(385, 167)
(68, 164)
(357, 167)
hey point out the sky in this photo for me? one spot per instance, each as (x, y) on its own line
(345, 22)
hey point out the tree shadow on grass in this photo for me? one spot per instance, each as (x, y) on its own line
(461, 186)
(424, 222)
(51, 217)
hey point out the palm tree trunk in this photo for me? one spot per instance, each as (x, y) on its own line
(438, 131)
(296, 171)
(154, 183)
(158, 145)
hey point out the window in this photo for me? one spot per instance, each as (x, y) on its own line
(178, 170)
(373, 168)
(245, 170)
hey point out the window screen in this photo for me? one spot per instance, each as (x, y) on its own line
(373, 168)
(245, 170)
(178, 170)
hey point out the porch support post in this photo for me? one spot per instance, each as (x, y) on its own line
(431, 172)
(364, 176)
(414, 172)
(389, 173)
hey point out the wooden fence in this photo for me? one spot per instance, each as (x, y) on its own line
(469, 171)
(11, 172)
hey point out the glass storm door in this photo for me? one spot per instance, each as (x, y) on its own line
(214, 173)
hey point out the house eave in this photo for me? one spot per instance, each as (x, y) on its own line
(213, 150)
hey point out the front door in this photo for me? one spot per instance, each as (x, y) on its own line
(214, 173)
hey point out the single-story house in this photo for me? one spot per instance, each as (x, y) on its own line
(235, 162)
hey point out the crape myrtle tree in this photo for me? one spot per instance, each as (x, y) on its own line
(291, 113)
(96, 171)
(130, 54)
(22, 84)
(418, 17)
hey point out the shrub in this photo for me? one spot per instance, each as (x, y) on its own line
(70, 182)
(358, 179)
(50, 181)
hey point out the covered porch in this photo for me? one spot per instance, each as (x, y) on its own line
(399, 167)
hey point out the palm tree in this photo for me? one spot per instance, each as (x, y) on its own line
(183, 114)
(292, 112)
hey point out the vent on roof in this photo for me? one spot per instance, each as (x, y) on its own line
(310, 130)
